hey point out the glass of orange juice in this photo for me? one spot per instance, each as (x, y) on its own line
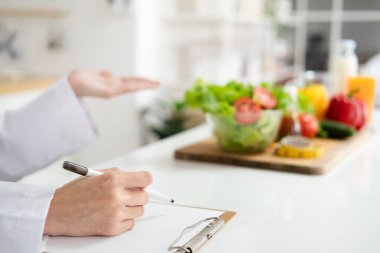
(366, 91)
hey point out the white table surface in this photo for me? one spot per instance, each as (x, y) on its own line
(276, 211)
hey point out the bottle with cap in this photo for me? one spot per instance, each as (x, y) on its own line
(343, 65)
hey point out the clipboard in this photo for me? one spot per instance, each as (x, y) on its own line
(213, 225)
(156, 232)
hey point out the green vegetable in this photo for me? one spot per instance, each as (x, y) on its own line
(284, 101)
(218, 101)
(334, 129)
(253, 138)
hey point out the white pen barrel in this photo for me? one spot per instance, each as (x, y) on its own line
(159, 196)
(91, 173)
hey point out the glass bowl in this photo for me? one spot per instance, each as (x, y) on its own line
(251, 138)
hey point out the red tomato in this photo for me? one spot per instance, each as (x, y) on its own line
(247, 112)
(309, 125)
(264, 98)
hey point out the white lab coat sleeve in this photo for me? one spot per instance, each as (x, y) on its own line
(22, 216)
(31, 137)
(38, 133)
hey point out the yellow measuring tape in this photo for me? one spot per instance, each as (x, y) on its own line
(298, 147)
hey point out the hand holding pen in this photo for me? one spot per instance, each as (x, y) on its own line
(87, 172)
(106, 204)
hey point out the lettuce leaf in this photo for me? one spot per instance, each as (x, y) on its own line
(218, 100)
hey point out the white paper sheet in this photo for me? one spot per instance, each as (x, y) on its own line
(154, 232)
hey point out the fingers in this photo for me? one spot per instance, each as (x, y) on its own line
(141, 81)
(124, 198)
(110, 170)
(136, 83)
(114, 86)
(135, 197)
(126, 187)
(128, 180)
(121, 220)
(126, 225)
(133, 212)
(117, 228)
(140, 179)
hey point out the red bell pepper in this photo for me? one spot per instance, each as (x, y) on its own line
(348, 110)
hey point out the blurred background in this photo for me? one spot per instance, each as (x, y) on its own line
(175, 42)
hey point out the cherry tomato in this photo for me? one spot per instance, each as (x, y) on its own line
(264, 98)
(247, 112)
(309, 125)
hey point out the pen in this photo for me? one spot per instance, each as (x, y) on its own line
(87, 172)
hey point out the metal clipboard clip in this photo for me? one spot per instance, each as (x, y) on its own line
(195, 243)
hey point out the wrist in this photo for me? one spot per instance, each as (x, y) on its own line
(52, 224)
(75, 81)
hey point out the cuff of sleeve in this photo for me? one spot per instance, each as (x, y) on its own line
(25, 223)
(39, 202)
(71, 101)
(68, 124)
(77, 106)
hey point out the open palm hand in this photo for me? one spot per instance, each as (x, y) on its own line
(106, 85)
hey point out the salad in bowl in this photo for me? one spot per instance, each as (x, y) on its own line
(246, 118)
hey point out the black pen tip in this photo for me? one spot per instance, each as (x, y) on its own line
(172, 201)
(65, 164)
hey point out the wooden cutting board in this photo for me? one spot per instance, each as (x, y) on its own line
(334, 152)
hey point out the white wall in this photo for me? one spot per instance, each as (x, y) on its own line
(94, 37)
